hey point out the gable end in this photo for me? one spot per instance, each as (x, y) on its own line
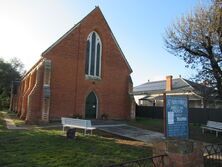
(77, 25)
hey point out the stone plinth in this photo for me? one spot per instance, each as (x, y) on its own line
(181, 153)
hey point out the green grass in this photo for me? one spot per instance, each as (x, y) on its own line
(208, 137)
(2, 122)
(16, 119)
(195, 130)
(50, 148)
(148, 123)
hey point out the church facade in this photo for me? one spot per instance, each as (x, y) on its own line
(83, 74)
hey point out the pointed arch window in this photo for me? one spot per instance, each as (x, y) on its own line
(93, 55)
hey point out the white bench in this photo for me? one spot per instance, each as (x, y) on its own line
(213, 126)
(77, 123)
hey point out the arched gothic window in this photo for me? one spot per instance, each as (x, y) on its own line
(93, 55)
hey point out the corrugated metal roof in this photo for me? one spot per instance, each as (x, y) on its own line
(160, 97)
(178, 84)
(199, 87)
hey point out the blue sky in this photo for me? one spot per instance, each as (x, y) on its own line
(28, 27)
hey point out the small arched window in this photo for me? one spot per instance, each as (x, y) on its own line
(93, 55)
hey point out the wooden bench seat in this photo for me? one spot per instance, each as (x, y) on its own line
(77, 123)
(213, 126)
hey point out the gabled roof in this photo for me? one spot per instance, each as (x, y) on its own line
(200, 87)
(32, 68)
(179, 85)
(151, 98)
(79, 23)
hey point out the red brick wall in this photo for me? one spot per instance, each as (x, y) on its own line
(35, 98)
(25, 96)
(20, 94)
(69, 88)
(180, 153)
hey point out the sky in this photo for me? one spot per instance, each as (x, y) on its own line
(29, 27)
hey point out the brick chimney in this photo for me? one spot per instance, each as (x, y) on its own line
(169, 82)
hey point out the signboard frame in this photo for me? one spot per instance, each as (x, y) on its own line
(176, 116)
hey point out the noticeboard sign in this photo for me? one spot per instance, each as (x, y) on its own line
(177, 117)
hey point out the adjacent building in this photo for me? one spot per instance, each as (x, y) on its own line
(199, 95)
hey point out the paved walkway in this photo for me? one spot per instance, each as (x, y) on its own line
(133, 133)
(10, 123)
(12, 126)
(107, 123)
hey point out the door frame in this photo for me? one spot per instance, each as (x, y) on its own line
(97, 103)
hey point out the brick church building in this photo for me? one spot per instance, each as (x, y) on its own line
(84, 73)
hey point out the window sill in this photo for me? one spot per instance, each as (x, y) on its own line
(90, 77)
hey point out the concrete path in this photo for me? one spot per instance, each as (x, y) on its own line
(107, 123)
(121, 128)
(11, 125)
(133, 133)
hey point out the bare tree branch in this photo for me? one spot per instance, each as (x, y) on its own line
(197, 39)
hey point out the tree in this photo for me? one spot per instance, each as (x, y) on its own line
(197, 39)
(9, 71)
(17, 65)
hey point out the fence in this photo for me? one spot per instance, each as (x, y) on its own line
(196, 115)
(149, 112)
(156, 161)
(201, 115)
(213, 155)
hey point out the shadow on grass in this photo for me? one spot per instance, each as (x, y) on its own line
(148, 123)
(208, 137)
(50, 148)
(195, 130)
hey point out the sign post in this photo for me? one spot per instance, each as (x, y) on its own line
(176, 117)
(164, 115)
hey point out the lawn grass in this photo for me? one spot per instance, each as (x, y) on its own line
(16, 119)
(195, 130)
(208, 137)
(2, 122)
(148, 123)
(50, 148)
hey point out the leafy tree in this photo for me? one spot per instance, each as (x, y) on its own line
(197, 39)
(9, 71)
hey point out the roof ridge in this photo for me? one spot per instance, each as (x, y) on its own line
(185, 80)
(115, 41)
(158, 81)
(148, 83)
(32, 68)
(68, 32)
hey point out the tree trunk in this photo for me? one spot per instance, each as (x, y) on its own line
(217, 75)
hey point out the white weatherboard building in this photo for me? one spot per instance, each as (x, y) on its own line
(199, 95)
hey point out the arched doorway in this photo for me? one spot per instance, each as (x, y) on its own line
(91, 106)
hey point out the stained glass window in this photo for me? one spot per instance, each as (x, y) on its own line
(93, 55)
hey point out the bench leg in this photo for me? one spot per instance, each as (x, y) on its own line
(91, 132)
(216, 133)
(203, 130)
(85, 132)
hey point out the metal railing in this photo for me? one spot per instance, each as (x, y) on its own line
(155, 161)
(213, 155)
